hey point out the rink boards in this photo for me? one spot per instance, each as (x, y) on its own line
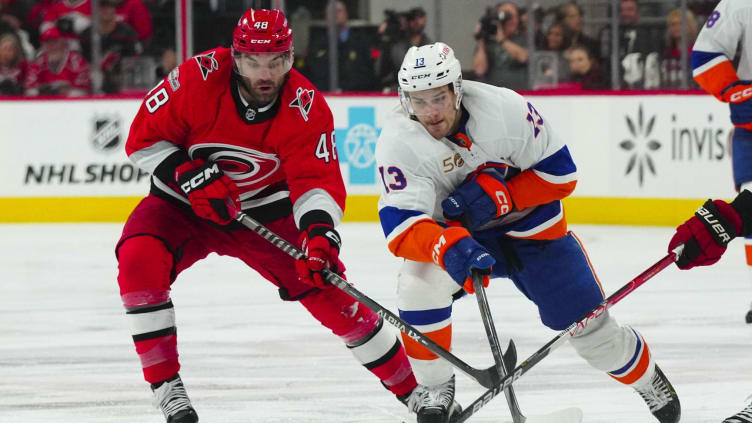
(642, 159)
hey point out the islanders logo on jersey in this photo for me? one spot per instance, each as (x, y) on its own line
(206, 64)
(303, 101)
(245, 166)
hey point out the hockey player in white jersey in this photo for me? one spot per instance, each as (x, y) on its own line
(466, 151)
(713, 54)
(725, 36)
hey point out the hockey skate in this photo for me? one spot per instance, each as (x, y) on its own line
(744, 416)
(171, 398)
(661, 398)
(434, 404)
(748, 317)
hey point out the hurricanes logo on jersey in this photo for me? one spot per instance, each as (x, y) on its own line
(245, 166)
(303, 101)
(207, 64)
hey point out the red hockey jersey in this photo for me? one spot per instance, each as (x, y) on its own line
(70, 76)
(281, 156)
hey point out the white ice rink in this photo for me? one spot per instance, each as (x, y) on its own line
(66, 354)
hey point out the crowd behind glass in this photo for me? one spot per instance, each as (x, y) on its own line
(46, 48)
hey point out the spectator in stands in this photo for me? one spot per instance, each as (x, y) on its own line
(392, 54)
(74, 16)
(570, 16)
(168, 60)
(34, 19)
(12, 65)
(638, 55)
(554, 42)
(538, 19)
(500, 57)
(12, 16)
(70, 17)
(355, 62)
(118, 40)
(586, 72)
(671, 68)
(58, 70)
(136, 15)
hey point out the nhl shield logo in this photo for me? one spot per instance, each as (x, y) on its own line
(106, 132)
(303, 101)
(207, 64)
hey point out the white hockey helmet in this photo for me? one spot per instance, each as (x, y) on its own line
(427, 67)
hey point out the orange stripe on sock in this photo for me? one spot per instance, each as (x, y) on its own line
(639, 370)
(415, 350)
(748, 251)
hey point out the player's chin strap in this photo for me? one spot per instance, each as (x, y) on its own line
(568, 415)
(488, 378)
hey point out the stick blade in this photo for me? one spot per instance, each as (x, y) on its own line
(567, 415)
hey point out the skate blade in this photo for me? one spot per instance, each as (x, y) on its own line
(567, 415)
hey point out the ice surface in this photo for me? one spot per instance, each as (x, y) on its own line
(66, 354)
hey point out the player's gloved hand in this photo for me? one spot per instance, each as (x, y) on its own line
(321, 243)
(737, 92)
(213, 195)
(706, 235)
(479, 200)
(458, 253)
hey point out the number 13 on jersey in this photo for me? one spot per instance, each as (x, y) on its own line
(393, 179)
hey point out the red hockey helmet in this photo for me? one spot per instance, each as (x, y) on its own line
(262, 31)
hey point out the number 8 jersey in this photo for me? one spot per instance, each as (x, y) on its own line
(499, 132)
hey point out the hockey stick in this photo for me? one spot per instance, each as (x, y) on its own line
(488, 378)
(493, 340)
(567, 415)
(564, 335)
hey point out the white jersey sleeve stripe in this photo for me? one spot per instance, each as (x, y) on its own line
(405, 225)
(150, 157)
(708, 65)
(540, 228)
(556, 179)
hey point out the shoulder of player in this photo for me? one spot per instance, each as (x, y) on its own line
(490, 103)
(739, 9)
(402, 139)
(207, 69)
(479, 92)
(303, 102)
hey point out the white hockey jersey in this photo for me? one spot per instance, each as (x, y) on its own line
(727, 29)
(500, 131)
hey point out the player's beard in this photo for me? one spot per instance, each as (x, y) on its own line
(261, 92)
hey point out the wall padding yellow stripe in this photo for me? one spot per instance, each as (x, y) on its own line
(360, 208)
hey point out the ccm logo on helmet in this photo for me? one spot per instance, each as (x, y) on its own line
(199, 178)
(422, 76)
(261, 41)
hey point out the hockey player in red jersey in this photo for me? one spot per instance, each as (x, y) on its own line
(228, 130)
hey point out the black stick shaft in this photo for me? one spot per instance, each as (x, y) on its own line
(487, 378)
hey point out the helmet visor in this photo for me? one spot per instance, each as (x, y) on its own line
(428, 102)
(263, 65)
